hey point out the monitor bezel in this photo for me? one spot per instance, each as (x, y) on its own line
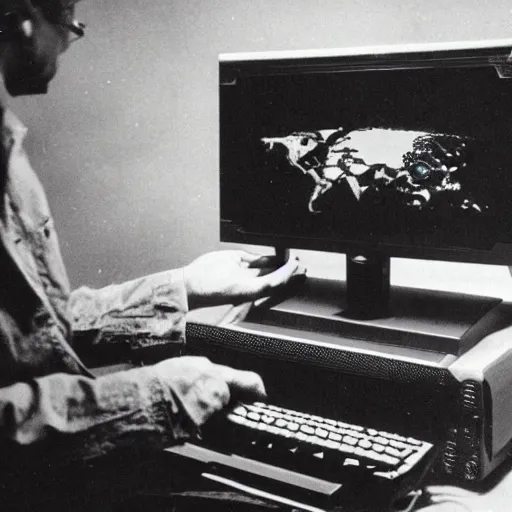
(494, 53)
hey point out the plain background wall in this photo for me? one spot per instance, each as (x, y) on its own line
(126, 142)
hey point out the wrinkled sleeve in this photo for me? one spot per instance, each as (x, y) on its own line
(155, 304)
(89, 417)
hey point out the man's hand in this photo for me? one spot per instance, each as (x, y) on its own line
(205, 388)
(231, 277)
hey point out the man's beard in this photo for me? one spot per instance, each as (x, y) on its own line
(26, 73)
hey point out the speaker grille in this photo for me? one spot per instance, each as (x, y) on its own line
(333, 358)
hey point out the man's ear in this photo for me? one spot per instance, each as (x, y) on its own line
(27, 28)
(18, 19)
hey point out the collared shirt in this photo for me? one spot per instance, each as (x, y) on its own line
(48, 397)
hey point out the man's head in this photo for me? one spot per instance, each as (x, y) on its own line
(33, 33)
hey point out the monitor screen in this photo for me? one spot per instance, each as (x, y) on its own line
(408, 153)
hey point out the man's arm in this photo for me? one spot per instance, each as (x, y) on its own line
(74, 417)
(88, 417)
(155, 304)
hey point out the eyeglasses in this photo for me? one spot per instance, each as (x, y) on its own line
(67, 21)
(75, 28)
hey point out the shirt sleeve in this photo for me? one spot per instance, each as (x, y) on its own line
(88, 417)
(155, 304)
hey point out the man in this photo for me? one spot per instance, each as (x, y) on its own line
(50, 403)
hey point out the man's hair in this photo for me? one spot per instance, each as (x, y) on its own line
(55, 11)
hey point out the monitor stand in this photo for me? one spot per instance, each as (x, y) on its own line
(366, 307)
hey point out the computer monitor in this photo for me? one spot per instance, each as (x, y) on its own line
(402, 151)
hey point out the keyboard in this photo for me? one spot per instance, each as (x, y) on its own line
(319, 461)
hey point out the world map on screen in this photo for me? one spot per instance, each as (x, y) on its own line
(417, 168)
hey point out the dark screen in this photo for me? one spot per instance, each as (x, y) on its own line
(412, 157)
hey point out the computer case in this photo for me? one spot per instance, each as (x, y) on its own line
(458, 396)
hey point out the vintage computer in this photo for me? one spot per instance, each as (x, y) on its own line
(376, 153)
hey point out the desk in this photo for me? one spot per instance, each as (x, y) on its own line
(493, 495)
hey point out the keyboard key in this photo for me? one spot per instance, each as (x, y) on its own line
(398, 444)
(307, 429)
(320, 432)
(352, 441)
(393, 452)
(333, 445)
(347, 448)
(364, 443)
(240, 410)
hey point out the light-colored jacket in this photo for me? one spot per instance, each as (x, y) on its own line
(46, 391)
